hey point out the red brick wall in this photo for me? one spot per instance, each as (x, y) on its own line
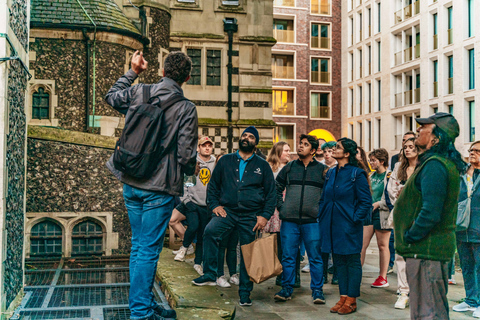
(303, 53)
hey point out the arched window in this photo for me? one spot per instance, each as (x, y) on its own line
(87, 238)
(46, 239)
(40, 104)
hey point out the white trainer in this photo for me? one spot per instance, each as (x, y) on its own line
(181, 254)
(198, 268)
(235, 279)
(222, 282)
(476, 313)
(462, 307)
(306, 269)
(190, 250)
(402, 301)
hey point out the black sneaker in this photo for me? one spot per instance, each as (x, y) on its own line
(204, 281)
(335, 279)
(318, 297)
(284, 295)
(155, 316)
(245, 301)
(170, 314)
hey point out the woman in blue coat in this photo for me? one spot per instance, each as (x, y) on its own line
(346, 201)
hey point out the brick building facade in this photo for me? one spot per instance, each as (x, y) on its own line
(306, 69)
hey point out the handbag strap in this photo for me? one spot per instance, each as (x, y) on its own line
(475, 184)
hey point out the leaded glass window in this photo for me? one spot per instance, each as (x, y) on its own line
(87, 238)
(46, 239)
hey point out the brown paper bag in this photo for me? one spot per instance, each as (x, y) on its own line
(261, 259)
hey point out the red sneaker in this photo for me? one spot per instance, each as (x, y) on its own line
(381, 282)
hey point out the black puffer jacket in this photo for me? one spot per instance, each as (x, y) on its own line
(181, 129)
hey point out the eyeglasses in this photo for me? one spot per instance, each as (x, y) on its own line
(476, 151)
(337, 148)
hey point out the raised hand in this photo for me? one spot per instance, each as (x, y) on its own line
(139, 64)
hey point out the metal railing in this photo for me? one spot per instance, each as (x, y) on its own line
(369, 31)
(398, 16)
(321, 42)
(283, 72)
(351, 72)
(369, 106)
(417, 51)
(408, 54)
(398, 58)
(284, 109)
(408, 97)
(284, 35)
(361, 34)
(408, 12)
(450, 85)
(417, 6)
(450, 36)
(322, 112)
(435, 89)
(320, 6)
(398, 100)
(417, 95)
(360, 105)
(284, 3)
(361, 72)
(369, 68)
(435, 41)
(320, 77)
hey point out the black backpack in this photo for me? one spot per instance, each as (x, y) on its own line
(138, 151)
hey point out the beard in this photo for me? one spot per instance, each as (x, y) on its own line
(246, 146)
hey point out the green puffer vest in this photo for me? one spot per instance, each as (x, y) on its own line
(439, 244)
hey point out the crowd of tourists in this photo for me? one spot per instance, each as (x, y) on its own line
(324, 206)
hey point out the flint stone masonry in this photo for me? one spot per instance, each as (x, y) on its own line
(72, 177)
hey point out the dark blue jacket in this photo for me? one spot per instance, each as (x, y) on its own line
(254, 195)
(346, 201)
(472, 234)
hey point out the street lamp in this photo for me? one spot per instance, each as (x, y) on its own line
(230, 26)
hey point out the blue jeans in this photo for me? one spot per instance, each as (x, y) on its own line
(391, 246)
(292, 234)
(149, 213)
(349, 271)
(218, 229)
(228, 244)
(469, 254)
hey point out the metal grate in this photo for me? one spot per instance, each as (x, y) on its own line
(41, 265)
(39, 278)
(62, 314)
(116, 314)
(96, 263)
(89, 296)
(93, 277)
(37, 297)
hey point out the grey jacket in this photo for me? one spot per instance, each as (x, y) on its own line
(181, 134)
(198, 193)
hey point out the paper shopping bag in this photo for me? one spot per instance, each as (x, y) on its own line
(261, 259)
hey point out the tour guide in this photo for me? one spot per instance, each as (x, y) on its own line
(241, 194)
(425, 229)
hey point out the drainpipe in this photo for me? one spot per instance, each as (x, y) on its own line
(230, 26)
(94, 66)
(87, 88)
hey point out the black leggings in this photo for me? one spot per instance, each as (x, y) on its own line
(197, 219)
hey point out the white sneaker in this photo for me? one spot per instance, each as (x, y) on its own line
(306, 269)
(462, 307)
(235, 279)
(476, 313)
(181, 254)
(222, 282)
(190, 250)
(402, 301)
(198, 268)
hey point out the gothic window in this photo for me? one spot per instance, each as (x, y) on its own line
(41, 104)
(46, 239)
(214, 67)
(87, 238)
(196, 74)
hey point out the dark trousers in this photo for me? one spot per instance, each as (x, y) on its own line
(349, 271)
(197, 219)
(217, 229)
(428, 282)
(230, 245)
(469, 254)
(391, 246)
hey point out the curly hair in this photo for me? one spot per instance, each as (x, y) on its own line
(177, 66)
(381, 154)
(445, 148)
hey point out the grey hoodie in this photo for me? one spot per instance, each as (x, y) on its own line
(198, 193)
(181, 133)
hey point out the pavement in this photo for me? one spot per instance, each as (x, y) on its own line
(374, 303)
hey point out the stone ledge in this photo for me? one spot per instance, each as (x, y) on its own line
(74, 137)
(189, 301)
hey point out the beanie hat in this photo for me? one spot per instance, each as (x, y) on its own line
(253, 131)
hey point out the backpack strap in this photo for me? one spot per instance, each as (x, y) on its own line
(354, 174)
(146, 93)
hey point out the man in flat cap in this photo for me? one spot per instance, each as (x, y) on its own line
(241, 194)
(425, 216)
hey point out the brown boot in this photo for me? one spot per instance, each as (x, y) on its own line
(350, 306)
(339, 304)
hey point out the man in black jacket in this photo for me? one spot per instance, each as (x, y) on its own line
(241, 194)
(303, 179)
(150, 201)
